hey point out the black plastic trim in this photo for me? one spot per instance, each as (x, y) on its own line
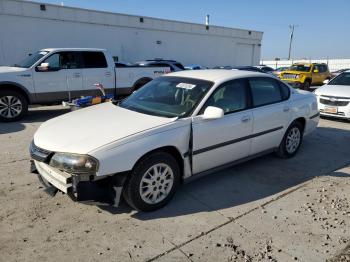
(209, 148)
(315, 115)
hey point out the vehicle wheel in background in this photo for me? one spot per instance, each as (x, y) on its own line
(153, 182)
(291, 141)
(306, 85)
(13, 106)
(141, 82)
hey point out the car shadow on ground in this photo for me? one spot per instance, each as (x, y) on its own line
(35, 115)
(257, 179)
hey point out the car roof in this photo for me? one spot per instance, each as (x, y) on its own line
(216, 75)
(72, 49)
(156, 61)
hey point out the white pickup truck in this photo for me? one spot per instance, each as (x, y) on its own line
(60, 74)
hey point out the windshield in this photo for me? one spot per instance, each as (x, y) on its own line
(301, 68)
(31, 60)
(342, 79)
(168, 96)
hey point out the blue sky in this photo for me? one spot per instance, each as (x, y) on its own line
(323, 26)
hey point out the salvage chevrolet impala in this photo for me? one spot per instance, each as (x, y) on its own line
(175, 127)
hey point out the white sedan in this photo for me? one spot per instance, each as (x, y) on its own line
(175, 127)
(334, 97)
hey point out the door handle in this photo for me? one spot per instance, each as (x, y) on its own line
(245, 119)
(108, 74)
(76, 74)
(286, 109)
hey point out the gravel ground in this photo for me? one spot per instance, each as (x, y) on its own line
(266, 209)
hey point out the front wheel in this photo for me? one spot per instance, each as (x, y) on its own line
(291, 141)
(13, 106)
(153, 182)
(306, 85)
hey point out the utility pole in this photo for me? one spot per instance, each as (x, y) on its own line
(291, 27)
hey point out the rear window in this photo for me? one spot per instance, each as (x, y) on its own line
(179, 66)
(94, 60)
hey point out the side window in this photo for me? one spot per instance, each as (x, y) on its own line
(323, 68)
(316, 67)
(94, 60)
(54, 61)
(264, 91)
(70, 60)
(230, 97)
(64, 60)
(285, 91)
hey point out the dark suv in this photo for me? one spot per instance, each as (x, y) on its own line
(174, 65)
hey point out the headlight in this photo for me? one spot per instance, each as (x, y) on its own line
(74, 163)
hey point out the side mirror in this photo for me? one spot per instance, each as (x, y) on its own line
(315, 71)
(43, 67)
(326, 81)
(212, 112)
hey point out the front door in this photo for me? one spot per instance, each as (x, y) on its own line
(221, 141)
(51, 84)
(62, 80)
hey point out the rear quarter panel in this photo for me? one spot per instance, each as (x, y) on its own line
(304, 105)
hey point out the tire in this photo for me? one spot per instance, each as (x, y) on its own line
(306, 85)
(287, 149)
(157, 189)
(13, 106)
(140, 83)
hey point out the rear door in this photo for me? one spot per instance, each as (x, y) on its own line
(316, 74)
(221, 141)
(271, 113)
(96, 71)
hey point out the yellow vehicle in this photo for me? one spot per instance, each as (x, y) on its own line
(304, 75)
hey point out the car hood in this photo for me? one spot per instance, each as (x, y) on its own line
(87, 129)
(334, 90)
(11, 69)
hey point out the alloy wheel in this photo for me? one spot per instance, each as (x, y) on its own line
(156, 183)
(10, 106)
(293, 140)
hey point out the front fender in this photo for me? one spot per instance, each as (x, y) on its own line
(123, 157)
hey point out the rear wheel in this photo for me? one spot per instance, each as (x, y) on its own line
(153, 182)
(141, 82)
(291, 141)
(13, 106)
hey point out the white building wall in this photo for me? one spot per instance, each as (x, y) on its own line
(24, 28)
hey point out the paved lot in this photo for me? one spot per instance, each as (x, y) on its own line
(263, 210)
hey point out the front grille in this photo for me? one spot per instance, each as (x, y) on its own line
(333, 102)
(289, 76)
(38, 153)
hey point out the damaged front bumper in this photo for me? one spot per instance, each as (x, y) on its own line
(87, 189)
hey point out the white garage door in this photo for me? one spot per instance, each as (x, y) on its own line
(244, 55)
